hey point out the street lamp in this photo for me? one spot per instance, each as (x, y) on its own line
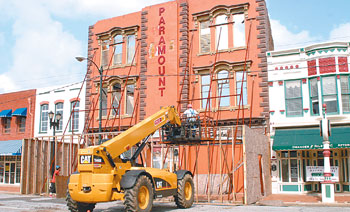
(55, 123)
(100, 70)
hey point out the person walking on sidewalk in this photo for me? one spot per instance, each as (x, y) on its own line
(53, 181)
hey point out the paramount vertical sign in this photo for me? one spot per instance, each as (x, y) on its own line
(161, 52)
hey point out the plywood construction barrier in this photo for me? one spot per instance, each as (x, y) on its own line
(225, 170)
(36, 154)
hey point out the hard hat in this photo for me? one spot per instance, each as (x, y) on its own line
(189, 106)
(57, 167)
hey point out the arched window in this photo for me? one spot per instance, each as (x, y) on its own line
(118, 49)
(221, 32)
(205, 37)
(44, 117)
(223, 87)
(59, 109)
(75, 115)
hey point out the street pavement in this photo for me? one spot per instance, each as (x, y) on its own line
(16, 203)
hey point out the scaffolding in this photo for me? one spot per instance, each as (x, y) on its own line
(215, 155)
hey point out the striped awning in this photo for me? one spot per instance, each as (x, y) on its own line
(11, 147)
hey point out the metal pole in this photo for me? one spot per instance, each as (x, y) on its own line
(100, 110)
(327, 184)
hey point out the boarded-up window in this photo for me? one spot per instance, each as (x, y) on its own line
(314, 97)
(327, 65)
(343, 64)
(118, 49)
(329, 93)
(238, 30)
(221, 32)
(105, 50)
(311, 67)
(205, 37)
(294, 106)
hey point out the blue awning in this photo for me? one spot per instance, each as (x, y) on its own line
(12, 147)
(20, 112)
(6, 113)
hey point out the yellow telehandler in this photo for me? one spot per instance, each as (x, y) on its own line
(105, 175)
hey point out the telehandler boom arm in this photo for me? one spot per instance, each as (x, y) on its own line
(124, 141)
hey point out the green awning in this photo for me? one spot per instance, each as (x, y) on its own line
(309, 138)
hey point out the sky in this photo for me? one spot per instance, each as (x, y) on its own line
(39, 39)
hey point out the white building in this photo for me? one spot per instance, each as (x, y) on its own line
(60, 99)
(300, 82)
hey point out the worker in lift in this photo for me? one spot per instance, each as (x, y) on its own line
(53, 181)
(191, 118)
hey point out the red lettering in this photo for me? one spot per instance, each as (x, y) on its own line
(161, 21)
(161, 91)
(161, 41)
(160, 70)
(161, 30)
(161, 50)
(161, 60)
(161, 10)
(161, 81)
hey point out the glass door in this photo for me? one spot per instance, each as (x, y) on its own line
(10, 169)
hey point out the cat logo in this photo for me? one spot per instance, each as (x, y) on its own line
(85, 159)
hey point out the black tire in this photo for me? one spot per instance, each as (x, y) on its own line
(75, 206)
(185, 192)
(140, 197)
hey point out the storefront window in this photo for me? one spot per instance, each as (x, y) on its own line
(294, 170)
(289, 166)
(10, 169)
(285, 170)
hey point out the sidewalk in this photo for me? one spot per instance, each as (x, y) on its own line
(312, 199)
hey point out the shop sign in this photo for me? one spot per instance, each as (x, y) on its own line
(315, 173)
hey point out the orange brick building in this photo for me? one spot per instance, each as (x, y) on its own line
(205, 53)
(17, 122)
